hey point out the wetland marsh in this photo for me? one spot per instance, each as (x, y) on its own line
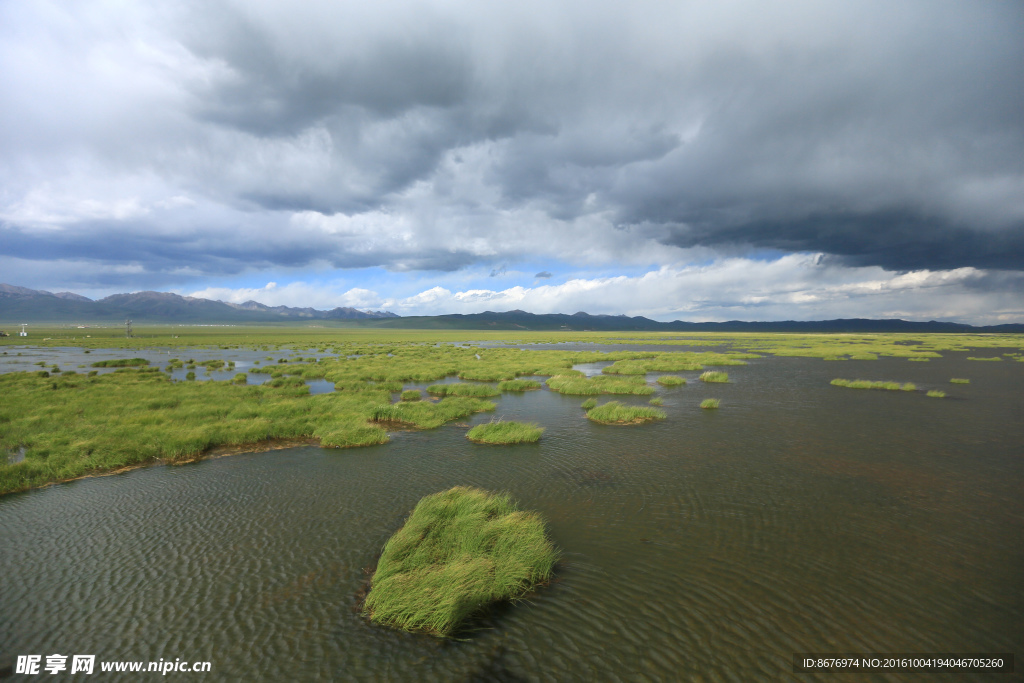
(797, 517)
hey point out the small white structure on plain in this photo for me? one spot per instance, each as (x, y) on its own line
(23, 333)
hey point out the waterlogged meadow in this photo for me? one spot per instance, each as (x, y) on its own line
(115, 412)
(75, 423)
(681, 529)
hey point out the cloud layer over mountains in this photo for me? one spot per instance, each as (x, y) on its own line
(218, 144)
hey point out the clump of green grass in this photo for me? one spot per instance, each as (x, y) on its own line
(713, 376)
(672, 380)
(957, 380)
(241, 378)
(935, 393)
(120, 363)
(709, 403)
(625, 367)
(463, 389)
(391, 387)
(575, 385)
(614, 412)
(190, 376)
(505, 432)
(519, 385)
(427, 415)
(656, 401)
(411, 395)
(867, 384)
(459, 551)
(973, 358)
(589, 403)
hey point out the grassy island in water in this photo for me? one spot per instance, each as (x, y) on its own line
(459, 551)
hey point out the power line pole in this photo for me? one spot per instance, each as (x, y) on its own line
(128, 329)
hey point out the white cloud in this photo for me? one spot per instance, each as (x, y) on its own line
(295, 294)
(796, 286)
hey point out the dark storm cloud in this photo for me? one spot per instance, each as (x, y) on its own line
(543, 275)
(857, 131)
(893, 240)
(996, 281)
(880, 133)
(271, 95)
(212, 254)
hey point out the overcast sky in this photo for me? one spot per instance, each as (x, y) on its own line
(679, 160)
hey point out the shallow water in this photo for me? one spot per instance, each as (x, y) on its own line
(798, 517)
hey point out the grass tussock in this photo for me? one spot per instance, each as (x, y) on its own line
(958, 380)
(505, 432)
(577, 385)
(589, 403)
(988, 359)
(519, 385)
(463, 389)
(670, 381)
(411, 395)
(656, 401)
(709, 403)
(614, 412)
(625, 367)
(459, 551)
(936, 393)
(868, 384)
(427, 415)
(121, 363)
(713, 376)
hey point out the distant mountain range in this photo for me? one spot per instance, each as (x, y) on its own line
(521, 320)
(23, 305)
